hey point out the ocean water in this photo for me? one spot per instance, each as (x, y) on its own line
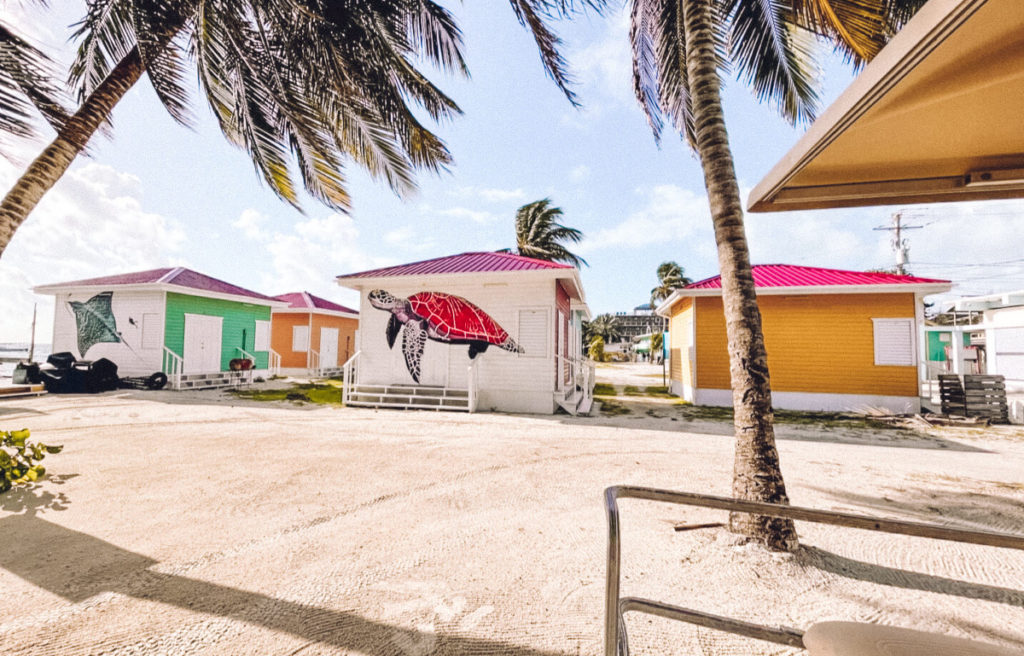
(11, 350)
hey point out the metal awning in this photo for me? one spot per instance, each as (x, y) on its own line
(937, 116)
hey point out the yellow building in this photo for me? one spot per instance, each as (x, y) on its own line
(836, 340)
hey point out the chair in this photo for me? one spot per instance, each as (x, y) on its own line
(822, 639)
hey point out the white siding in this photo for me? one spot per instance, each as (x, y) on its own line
(139, 320)
(508, 381)
(894, 342)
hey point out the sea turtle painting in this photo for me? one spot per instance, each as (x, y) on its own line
(442, 318)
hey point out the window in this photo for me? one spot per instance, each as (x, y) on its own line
(300, 339)
(894, 342)
(152, 337)
(533, 333)
(262, 336)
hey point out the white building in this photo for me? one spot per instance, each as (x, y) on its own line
(521, 318)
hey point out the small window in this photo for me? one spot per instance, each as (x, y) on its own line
(262, 337)
(300, 339)
(533, 333)
(894, 342)
(152, 335)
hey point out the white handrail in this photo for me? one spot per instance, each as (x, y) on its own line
(314, 362)
(172, 364)
(472, 384)
(274, 363)
(348, 372)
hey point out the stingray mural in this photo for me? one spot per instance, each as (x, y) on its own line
(441, 317)
(95, 322)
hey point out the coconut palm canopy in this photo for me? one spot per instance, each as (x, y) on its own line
(27, 85)
(540, 235)
(670, 277)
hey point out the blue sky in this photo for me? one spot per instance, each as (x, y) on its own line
(157, 193)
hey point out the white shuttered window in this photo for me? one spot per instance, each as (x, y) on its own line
(262, 337)
(533, 333)
(300, 338)
(894, 342)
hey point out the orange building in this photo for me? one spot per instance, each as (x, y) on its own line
(312, 336)
(836, 340)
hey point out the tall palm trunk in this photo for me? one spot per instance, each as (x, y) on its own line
(47, 169)
(756, 473)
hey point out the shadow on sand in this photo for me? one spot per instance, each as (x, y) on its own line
(77, 566)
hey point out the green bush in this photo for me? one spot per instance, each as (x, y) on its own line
(18, 458)
(596, 350)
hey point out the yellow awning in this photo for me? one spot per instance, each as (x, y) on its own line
(937, 116)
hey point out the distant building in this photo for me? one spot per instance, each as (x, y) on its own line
(641, 321)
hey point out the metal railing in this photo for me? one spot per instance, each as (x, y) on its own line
(615, 640)
(172, 364)
(349, 371)
(473, 383)
(274, 362)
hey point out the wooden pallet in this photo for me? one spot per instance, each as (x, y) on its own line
(18, 391)
(985, 396)
(980, 395)
(951, 391)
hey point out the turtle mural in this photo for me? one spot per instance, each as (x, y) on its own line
(441, 317)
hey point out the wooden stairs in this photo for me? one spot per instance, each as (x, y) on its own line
(409, 397)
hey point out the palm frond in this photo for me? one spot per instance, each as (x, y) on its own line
(106, 35)
(27, 86)
(774, 55)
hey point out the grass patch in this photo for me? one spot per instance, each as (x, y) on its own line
(308, 393)
(657, 391)
(632, 390)
(604, 389)
(792, 417)
(612, 409)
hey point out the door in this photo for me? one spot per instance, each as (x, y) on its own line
(202, 344)
(328, 348)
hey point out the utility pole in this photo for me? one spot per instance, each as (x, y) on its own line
(900, 246)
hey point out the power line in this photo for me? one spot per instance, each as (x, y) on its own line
(900, 246)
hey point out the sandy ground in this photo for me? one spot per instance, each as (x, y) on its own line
(194, 523)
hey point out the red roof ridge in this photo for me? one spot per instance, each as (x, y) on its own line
(796, 275)
(468, 262)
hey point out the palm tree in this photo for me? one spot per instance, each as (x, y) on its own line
(541, 236)
(26, 86)
(670, 277)
(605, 326)
(305, 81)
(680, 48)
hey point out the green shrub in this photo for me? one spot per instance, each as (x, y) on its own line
(18, 458)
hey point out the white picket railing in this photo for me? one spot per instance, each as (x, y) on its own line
(473, 383)
(349, 371)
(314, 362)
(172, 365)
(274, 363)
(581, 376)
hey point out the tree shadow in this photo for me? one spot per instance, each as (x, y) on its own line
(30, 547)
(969, 510)
(32, 499)
(900, 578)
(19, 410)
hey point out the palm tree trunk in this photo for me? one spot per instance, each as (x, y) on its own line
(756, 473)
(47, 169)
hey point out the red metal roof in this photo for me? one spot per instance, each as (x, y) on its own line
(477, 262)
(791, 275)
(305, 300)
(178, 276)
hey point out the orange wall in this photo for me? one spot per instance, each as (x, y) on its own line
(281, 336)
(819, 343)
(680, 330)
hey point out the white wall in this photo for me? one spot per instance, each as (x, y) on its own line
(507, 381)
(137, 354)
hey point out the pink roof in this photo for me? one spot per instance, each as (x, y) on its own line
(478, 262)
(178, 276)
(305, 300)
(791, 275)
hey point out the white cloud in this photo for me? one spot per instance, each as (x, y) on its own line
(90, 224)
(501, 195)
(478, 216)
(671, 214)
(252, 223)
(579, 173)
(606, 65)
